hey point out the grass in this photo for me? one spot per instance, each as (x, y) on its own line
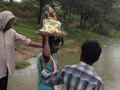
(21, 64)
(70, 45)
(92, 33)
(79, 36)
(113, 34)
(27, 28)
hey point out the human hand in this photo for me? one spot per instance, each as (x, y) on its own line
(42, 61)
(45, 35)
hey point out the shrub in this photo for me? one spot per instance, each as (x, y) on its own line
(21, 64)
(101, 29)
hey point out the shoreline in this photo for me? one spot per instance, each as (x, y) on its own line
(28, 52)
(22, 52)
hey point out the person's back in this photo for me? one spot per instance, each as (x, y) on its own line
(80, 77)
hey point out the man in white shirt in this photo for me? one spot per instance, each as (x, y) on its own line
(8, 37)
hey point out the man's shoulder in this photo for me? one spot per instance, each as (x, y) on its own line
(99, 79)
(68, 68)
(86, 72)
(95, 79)
(12, 30)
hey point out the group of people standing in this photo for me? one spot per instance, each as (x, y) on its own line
(81, 76)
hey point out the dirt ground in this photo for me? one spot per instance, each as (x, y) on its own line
(26, 52)
(71, 25)
(33, 52)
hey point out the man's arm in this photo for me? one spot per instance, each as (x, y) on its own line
(35, 44)
(25, 41)
(46, 47)
(50, 78)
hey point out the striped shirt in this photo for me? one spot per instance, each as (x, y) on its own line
(74, 77)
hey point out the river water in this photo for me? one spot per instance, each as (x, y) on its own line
(108, 68)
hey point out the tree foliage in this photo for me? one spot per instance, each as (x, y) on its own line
(91, 12)
(41, 5)
(11, 0)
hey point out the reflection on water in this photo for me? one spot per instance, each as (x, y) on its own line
(24, 79)
(108, 68)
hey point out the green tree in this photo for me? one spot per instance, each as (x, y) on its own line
(11, 0)
(114, 18)
(67, 6)
(93, 11)
(41, 3)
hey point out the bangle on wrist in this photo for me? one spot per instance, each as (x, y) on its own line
(46, 39)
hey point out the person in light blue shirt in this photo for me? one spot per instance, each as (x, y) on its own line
(62, 22)
(41, 84)
(50, 46)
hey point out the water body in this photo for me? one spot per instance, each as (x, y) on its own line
(108, 68)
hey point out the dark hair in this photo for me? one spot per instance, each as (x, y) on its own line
(54, 39)
(91, 51)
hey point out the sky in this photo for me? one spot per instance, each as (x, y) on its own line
(14, 0)
(17, 0)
